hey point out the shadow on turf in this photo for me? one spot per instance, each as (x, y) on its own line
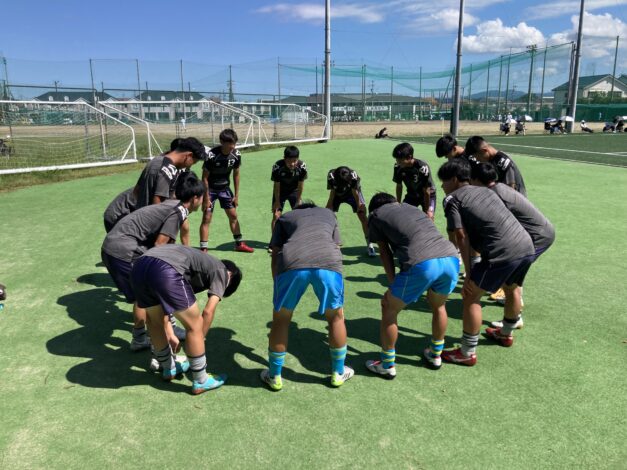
(112, 364)
(359, 252)
(230, 246)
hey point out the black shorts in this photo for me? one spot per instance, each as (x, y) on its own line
(225, 196)
(491, 276)
(292, 198)
(120, 272)
(350, 200)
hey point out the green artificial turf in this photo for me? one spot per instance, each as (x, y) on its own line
(73, 395)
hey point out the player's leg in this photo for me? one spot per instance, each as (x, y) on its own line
(388, 332)
(207, 215)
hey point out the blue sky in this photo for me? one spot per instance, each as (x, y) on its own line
(400, 33)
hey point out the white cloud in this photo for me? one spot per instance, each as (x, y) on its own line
(493, 37)
(314, 12)
(555, 8)
(444, 20)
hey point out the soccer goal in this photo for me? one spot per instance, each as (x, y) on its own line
(41, 136)
(157, 123)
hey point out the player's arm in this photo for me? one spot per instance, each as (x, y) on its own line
(399, 191)
(429, 200)
(236, 186)
(330, 201)
(206, 201)
(157, 199)
(209, 312)
(274, 262)
(173, 341)
(185, 232)
(387, 260)
(357, 199)
(277, 195)
(299, 192)
(163, 239)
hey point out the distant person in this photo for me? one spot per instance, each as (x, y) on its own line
(305, 251)
(620, 124)
(344, 186)
(520, 127)
(557, 127)
(505, 128)
(183, 123)
(381, 134)
(165, 280)
(426, 261)
(584, 127)
(415, 174)
(216, 174)
(609, 127)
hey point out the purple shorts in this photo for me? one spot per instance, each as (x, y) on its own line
(120, 271)
(350, 200)
(155, 282)
(225, 196)
(491, 276)
(292, 198)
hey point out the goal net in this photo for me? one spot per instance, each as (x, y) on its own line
(40, 136)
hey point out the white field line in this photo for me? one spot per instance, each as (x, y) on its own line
(562, 150)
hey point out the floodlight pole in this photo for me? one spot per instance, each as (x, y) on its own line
(458, 69)
(532, 49)
(575, 84)
(327, 66)
(614, 71)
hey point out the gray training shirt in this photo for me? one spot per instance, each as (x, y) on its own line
(137, 232)
(121, 206)
(508, 172)
(411, 234)
(308, 238)
(157, 179)
(202, 271)
(492, 229)
(533, 221)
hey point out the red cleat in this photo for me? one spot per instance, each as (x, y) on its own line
(243, 247)
(495, 335)
(455, 356)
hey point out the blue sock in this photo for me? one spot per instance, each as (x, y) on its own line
(276, 360)
(338, 355)
(436, 347)
(388, 357)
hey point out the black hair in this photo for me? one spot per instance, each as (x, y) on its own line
(484, 172)
(228, 136)
(188, 186)
(236, 277)
(380, 199)
(174, 144)
(445, 145)
(473, 145)
(191, 144)
(403, 151)
(455, 168)
(306, 204)
(291, 151)
(342, 173)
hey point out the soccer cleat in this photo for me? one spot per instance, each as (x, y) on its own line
(337, 380)
(275, 383)
(243, 247)
(140, 344)
(433, 362)
(213, 381)
(179, 368)
(269, 250)
(455, 356)
(499, 324)
(376, 368)
(498, 295)
(156, 367)
(371, 251)
(495, 334)
(179, 332)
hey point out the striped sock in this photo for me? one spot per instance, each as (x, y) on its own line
(338, 355)
(388, 357)
(469, 344)
(276, 360)
(509, 326)
(198, 366)
(436, 347)
(165, 358)
(139, 333)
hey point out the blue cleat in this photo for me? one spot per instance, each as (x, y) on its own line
(214, 381)
(180, 367)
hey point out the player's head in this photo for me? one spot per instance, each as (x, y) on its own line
(235, 277)
(343, 174)
(190, 149)
(403, 153)
(477, 146)
(174, 144)
(445, 146)
(290, 155)
(189, 188)
(483, 174)
(380, 199)
(453, 174)
(306, 204)
(228, 140)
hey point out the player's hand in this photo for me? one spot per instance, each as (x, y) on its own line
(174, 343)
(235, 201)
(430, 214)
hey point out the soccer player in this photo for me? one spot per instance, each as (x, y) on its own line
(165, 280)
(481, 221)
(344, 186)
(427, 262)
(289, 177)
(144, 228)
(305, 250)
(532, 220)
(216, 174)
(506, 169)
(416, 176)
(120, 207)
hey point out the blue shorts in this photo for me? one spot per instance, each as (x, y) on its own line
(155, 282)
(491, 276)
(290, 286)
(350, 200)
(438, 274)
(225, 196)
(120, 272)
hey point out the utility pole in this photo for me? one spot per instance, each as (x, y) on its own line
(139, 91)
(532, 49)
(546, 47)
(458, 67)
(573, 109)
(327, 65)
(487, 92)
(509, 61)
(391, 90)
(614, 70)
(231, 95)
(183, 90)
